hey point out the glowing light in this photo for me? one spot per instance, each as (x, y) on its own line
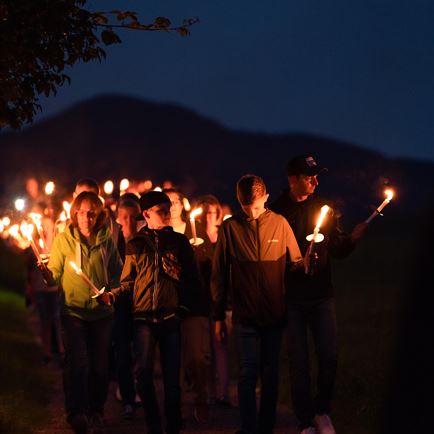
(20, 204)
(195, 213)
(108, 187)
(158, 188)
(49, 188)
(123, 186)
(227, 216)
(186, 204)
(389, 195)
(6, 221)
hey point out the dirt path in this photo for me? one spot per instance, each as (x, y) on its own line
(222, 420)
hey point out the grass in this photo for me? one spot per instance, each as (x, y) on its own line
(25, 383)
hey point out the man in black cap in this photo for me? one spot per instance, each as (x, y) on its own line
(160, 272)
(310, 297)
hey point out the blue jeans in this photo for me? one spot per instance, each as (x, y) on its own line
(264, 363)
(86, 371)
(318, 317)
(168, 336)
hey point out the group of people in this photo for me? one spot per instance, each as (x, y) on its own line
(167, 287)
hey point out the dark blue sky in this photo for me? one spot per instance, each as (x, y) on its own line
(357, 70)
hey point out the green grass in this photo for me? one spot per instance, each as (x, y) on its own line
(25, 383)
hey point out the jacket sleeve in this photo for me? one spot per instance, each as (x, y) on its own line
(296, 259)
(114, 266)
(340, 244)
(220, 276)
(128, 275)
(56, 263)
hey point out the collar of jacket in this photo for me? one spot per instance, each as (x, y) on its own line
(102, 235)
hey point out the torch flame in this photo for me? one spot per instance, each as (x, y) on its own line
(195, 213)
(20, 204)
(124, 184)
(37, 220)
(6, 221)
(158, 188)
(324, 211)
(67, 208)
(389, 194)
(186, 204)
(108, 187)
(227, 216)
(49, 188)
(41, 244)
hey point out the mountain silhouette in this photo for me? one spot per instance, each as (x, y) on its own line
(112, 136)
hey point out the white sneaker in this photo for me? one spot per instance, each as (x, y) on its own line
(324, 424)
(310, 430)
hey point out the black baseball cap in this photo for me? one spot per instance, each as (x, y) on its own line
(153, 198)
(304, 165)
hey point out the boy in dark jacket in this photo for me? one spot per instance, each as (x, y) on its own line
(251, 258)
(161, 274)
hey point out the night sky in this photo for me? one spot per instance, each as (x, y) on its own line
(358, 70)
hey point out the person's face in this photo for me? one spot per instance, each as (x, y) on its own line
(177, 206)
(158, 216)
(127, 219)
(302, 185)
(86, 217)
(211, 216)
(255, 209)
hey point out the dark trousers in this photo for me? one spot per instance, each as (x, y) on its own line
(265, 363)
(86, 370)
(196, 354)
(318, 317)
(123, 338)
(168, 336)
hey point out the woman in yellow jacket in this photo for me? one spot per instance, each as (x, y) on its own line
(86, 324)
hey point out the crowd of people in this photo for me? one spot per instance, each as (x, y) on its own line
(175, 290)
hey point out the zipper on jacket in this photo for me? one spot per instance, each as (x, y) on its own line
(156, 272)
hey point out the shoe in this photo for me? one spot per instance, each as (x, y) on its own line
(128, 412)
(324, 424)
(97, 424)
(79, 423)
(201, 413)
(309, 430)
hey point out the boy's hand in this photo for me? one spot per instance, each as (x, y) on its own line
(105, 298)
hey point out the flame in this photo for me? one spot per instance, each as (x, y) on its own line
(195, 213)
(49, 188)
(6, 221)
(20, 204)
(186, 204)
(147, 185)
(2, 227)
(324, 211)
(157, 188)
(67, 209)
(27, 230)
(227, 216)
(389, 194)
(41, 244)
(108, 187)
(123, 186)
(37, 220)
(62, 216)
(75, 267)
